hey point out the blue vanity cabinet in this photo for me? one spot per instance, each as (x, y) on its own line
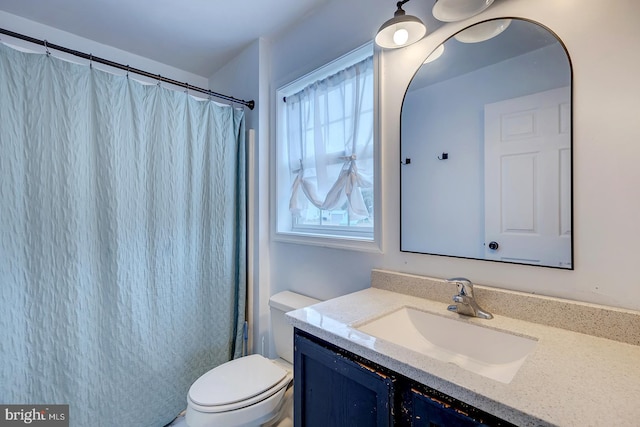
(333, 387)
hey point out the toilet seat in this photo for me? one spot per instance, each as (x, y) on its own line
(237, 384)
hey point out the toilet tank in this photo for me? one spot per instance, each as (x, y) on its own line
(282, 331)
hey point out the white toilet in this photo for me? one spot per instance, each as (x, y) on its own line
(251, 390)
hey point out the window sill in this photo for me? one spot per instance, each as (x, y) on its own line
(335, 242)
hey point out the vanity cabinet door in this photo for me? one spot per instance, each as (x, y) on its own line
(425, 406)
(425, 410)
(333, 390)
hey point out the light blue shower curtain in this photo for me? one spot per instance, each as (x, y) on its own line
(122, 241)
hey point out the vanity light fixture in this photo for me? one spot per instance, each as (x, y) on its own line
(483, 31)
(401, 30)
(457, 10)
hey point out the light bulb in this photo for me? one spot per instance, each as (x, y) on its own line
(401, 36)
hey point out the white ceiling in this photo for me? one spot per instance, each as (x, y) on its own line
(198, 36)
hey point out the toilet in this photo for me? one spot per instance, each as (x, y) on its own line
(251, 390)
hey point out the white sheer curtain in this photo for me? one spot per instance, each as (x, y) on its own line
(122, 241)
(330, 142)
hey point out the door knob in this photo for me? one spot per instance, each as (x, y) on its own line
(493, 245)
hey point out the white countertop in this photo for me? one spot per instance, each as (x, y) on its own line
(570, 378)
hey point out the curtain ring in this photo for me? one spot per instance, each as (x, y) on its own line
(159, 80)
(91, 61)
(187, 88)
(46, 48)
(127, 71)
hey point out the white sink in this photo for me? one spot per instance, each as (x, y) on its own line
(494, 354)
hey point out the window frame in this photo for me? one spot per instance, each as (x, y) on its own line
(281, 224)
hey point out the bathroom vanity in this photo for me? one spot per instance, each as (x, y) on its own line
(581, 369)
(337, 387)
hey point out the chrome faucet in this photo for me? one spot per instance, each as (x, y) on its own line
(464, 301)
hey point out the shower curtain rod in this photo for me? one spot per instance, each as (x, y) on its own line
(250, 104)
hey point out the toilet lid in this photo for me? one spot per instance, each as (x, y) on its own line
(237, 380)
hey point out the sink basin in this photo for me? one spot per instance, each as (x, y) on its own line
(488, 352)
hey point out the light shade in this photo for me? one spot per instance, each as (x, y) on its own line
(457, 10)
(483, 31)
(437, 53)
(401, 30)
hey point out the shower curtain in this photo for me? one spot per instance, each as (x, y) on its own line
(122, 241)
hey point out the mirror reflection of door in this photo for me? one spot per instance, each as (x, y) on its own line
(527, 219)
(527, 150)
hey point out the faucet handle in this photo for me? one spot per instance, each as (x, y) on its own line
(465, 287)
(459, 299)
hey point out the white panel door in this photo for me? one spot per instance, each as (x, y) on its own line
(528, 179)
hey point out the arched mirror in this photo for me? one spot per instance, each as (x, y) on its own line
(486, 148)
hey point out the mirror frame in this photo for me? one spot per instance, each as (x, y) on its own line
(571, 129)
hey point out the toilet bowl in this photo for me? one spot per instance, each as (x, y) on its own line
(251, 390)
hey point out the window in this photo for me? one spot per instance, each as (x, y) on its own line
(325, 152)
